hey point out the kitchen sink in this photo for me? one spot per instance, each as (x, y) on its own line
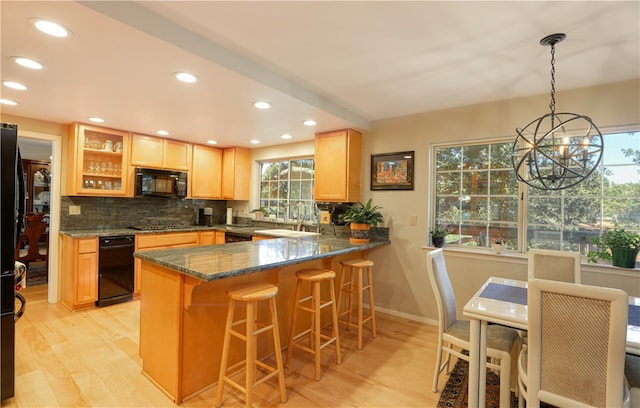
(285, 233)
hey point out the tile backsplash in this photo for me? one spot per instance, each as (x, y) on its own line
(109, 212)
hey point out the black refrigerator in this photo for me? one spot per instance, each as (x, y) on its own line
(12, 201)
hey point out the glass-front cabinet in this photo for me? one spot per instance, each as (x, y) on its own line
(38, 179)
(98, 157)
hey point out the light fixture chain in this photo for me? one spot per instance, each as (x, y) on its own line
(552, 104)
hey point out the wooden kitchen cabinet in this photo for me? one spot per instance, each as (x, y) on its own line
(165, 240)
(206, 173)
(337, 166)
(159, 153)
(79, 275)
(260, 237)
(97, 161)
(220, 237)
(236, 169)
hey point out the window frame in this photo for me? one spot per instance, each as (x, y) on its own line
(290, 202)
(523, 188)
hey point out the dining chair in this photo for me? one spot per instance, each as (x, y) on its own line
(632, 376)
(455, 333)
(554, 265)
(563, 266)
(33, 243)
(576, 351)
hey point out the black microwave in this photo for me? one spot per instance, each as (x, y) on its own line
(160, 183)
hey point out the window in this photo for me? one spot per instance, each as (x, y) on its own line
(477, 197)
(286, 188)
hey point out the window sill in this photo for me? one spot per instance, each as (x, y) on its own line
(520, 258)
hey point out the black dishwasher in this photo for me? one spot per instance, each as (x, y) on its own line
(115, 270)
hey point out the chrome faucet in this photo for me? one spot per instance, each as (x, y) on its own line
(300, 218)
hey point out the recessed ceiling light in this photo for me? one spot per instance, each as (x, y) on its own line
(14, 85)
(96, 119)
(51, 28)
(262, 105)
(162, 133)
(27, 63)
(286, 136)
(310, 122)
(212, 142)
(254, 141)
(8, 102)
(186, 77)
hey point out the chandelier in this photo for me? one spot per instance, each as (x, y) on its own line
(557, 150)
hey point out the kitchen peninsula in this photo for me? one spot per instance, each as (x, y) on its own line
(184, 303)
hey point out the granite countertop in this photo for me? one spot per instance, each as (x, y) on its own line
(213, 262)
(107, 232)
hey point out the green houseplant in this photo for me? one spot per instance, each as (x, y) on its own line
(361, 217)
(438, 234)
(617, 245)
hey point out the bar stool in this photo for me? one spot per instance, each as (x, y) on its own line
(250, 296)
(316, 277)
(356, 288)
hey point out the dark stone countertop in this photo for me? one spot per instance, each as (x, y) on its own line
(213, 262)
(108, 232)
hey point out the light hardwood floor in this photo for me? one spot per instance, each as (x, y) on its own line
(90, 359)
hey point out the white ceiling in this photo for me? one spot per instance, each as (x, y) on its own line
(344, 64)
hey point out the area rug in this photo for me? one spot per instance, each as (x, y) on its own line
(36, 274)
(454, 394)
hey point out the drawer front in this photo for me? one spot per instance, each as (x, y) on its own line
(86, 246)
(151, 241)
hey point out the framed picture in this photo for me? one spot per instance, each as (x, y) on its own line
(392, 171)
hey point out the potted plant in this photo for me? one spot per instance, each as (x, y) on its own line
(499, 246)
(260, 212)
(437, 236)
(361, 217)
(617, 245)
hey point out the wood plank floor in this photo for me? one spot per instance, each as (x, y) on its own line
(90, 359)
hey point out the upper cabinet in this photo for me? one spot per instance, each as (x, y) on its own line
(159, 153)
(206, 172)
(236, 169)
(337, 166)
(97, 161)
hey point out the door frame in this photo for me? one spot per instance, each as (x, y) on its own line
(53, 287)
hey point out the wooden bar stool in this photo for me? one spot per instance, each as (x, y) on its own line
(250, 296)
(355, 288)
(316, 277)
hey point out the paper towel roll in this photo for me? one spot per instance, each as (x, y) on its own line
(229, 216)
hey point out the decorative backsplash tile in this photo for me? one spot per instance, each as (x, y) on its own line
(109, 212)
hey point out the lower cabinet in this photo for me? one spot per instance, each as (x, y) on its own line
(79, 278)
(145, 242)
(79, 272)
(206, 237)
(259, 237)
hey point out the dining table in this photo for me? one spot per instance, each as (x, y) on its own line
(504, 301)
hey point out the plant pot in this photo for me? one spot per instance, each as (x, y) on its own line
(438, 242)
(359, 233)
(258, 215)
(624, 257)
(499, 248)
